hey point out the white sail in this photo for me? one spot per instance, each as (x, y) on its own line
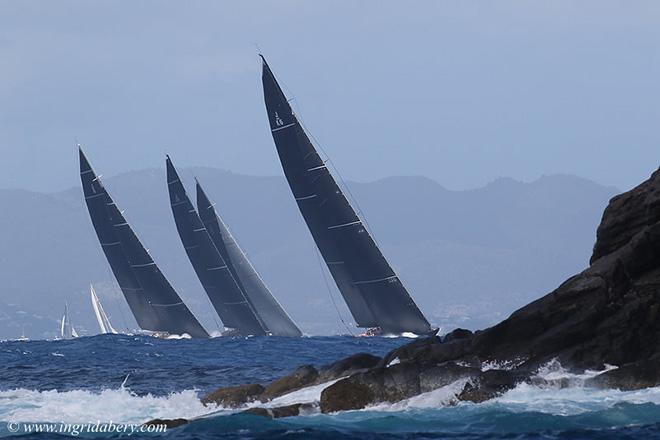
(97, 311)
(66, 329)
(101, 317)
(63, 324)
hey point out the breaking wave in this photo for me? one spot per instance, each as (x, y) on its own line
(167, 378)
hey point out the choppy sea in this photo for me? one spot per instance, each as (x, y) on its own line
(130, 379)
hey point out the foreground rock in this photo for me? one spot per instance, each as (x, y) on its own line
(301, 377)
(609, 314)
(233, 397)
(283, 411)
(170, 423)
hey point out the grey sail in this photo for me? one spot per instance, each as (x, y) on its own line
(271, 313)
(373, 292)
(152, 300)
(232, 305)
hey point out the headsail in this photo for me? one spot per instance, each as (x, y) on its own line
(271, 313)
(373, 292)
(233, 307)
(154, 302)
(101, 317)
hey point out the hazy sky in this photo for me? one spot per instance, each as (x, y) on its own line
(460, 91)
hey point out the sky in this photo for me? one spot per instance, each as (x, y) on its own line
(462, 92)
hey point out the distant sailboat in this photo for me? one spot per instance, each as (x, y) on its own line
(101, 317)
(67, 331)
(157, 307)
(373, 292)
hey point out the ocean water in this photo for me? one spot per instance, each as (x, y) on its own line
(129, 380)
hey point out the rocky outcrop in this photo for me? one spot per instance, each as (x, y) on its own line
(302, 377)
(283, 411)
(635, 376)
(609, 314)
(233, 397)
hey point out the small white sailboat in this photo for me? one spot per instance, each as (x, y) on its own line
(66, 329)
(101, 317)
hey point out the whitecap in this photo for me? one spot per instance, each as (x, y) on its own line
(79, 406)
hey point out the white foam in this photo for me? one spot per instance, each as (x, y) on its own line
(182, 336)
(394, 361)
(304, 395)
(565, 393)
(116, 405)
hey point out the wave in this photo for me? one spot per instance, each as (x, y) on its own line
(550, 408)
(81, 406)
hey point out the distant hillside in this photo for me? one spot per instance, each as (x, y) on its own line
(468, 257)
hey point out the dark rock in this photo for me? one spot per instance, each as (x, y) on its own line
(170, 423)
(491, 383)
(281, 411)
(607, 314)
(302, 377)
(345, 367)
(626, 215)
(391, 384)
(459, 333)
(635, 376)
(232, 397)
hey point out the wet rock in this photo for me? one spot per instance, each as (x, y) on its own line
(301, 377)
(635, 376)
(491, 383)
(607, 314)
(282, 411)
(170, 423)
(392, 384)
(233, 397)
(353, 364)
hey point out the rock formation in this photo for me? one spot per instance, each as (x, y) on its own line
(609, 314)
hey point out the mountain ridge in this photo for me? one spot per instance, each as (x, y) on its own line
(475, 241)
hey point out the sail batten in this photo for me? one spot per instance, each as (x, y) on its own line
(371, 289)
(139, 278)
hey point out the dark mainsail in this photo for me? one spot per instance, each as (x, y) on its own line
(232, 305)
(152, 300)
(373, 292)
(271, 314)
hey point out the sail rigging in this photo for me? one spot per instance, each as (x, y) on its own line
(99, 312)
(373, 292)
(270, 312)
(153, 301)
(233, 306)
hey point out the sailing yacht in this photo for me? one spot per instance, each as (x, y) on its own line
(156, 306)
(375, 295)
(67, 331)
(239, 296)
(101, 317)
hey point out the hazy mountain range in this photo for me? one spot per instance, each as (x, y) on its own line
(469, 258)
